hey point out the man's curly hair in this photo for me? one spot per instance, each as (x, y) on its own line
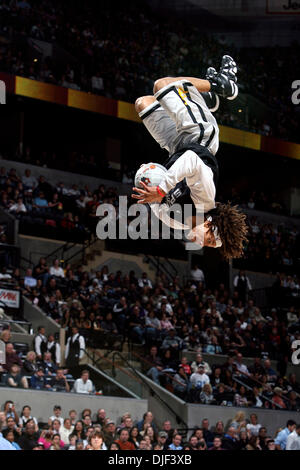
(232, 229)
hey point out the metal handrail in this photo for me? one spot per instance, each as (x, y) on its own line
(64, 248)
(169, 376)
(261, 383)
(260, 394)
(152, 391)
(158, 266)
(17, 322)
(82, 249)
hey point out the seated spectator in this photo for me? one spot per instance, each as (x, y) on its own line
(240, 398)
(66, 430)
(26, 416)
(176, 442)
(40, 203)
(148, 419)
(18, 207)
(222, 396)
(217, 444)
(181, 383)
(29, 281)
(10, 436)
(46, 438)
(48, 365)
(97, 83)
(199, 361)
(253, 443)
(134, 436)
(29, 438)
(11, 425)
(29, 181)
(136, 323)
(172, 342)
(230, 441)
(59, 382)
(253, 426)
(11, 357)
(239, 421)
(123, 440)
(197, 274)
(206, 396)
(56, 442)
(96, 441)
(30, 365)
(10, 411)
(84, 384)
(15, 378)
(277, 399)
(109, 432)
(197, 381)
(78, 432)
(38, 380)
(56, 270)
(242, 368)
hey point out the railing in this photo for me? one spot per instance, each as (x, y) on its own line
(152, 390)
(82, 250)
(133, 374)
(11, 225)
(165, 266)
(62, 249)
(23, 324)
(9, 255)
(259, 383)
(248, 387)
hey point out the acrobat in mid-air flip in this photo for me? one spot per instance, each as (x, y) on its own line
(179, 117)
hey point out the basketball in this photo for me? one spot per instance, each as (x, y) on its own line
(150, 173)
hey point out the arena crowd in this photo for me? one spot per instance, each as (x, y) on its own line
(68, 430)
(118, 52)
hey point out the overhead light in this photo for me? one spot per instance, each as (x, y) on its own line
(35, 60)
(240, 110)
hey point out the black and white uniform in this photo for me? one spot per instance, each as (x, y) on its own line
(181, 121)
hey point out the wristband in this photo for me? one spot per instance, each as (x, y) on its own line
(159, 191)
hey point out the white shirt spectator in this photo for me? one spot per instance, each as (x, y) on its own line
(59, 418)
(197, 274)
(97, 83)
(293, 441)
(23, 421)
(18, 207)
(58, 272)
(83, 387)
(195, 365)
(253, 428)
(29, 181)
(30, 281)
(242, 368)
(65, 433)
(199, 380)
(5, 276)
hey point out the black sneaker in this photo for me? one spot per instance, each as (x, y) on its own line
(223, 83)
